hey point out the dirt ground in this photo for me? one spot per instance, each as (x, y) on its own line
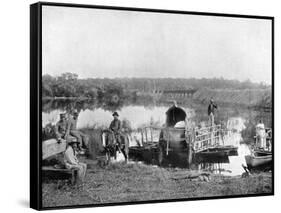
(120, 182)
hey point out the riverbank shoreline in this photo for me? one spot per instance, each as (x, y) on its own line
(133, 182)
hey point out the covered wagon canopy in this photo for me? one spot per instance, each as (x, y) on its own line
(174, 115)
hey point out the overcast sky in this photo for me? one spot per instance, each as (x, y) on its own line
(110, 43)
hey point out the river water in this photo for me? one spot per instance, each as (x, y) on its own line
(238, 120)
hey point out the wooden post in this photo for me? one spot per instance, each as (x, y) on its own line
(190, 151)
(167, 145)
(141, 136)
(73, 176)
(146, 135)
(222, 136)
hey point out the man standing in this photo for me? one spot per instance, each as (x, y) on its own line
(71, 161)
(61, 128)
(115, 127)
(72, 130)
(211, 112)
(261, 135)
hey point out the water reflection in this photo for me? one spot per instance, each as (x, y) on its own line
(227, 165)
(90, 115)
(145, 109)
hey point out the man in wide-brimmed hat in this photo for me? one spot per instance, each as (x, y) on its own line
(71, 161)
(61, 128)
(73, 131)
(115, 127)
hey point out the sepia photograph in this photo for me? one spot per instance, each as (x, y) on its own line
(143, 105)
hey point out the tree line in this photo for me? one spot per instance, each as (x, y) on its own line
(69, 85)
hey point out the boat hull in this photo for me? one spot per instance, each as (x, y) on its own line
(51, 147)
(255, 161)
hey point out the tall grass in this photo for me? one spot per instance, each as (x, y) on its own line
(121, 182)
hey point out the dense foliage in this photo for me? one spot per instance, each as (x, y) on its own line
(66, 85)
(69, 85)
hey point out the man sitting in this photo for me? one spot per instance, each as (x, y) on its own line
(61, 128)
(72, 129)
(71, 161)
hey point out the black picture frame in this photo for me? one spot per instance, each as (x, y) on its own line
(36, 99)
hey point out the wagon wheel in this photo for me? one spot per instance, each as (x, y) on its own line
(160, 155)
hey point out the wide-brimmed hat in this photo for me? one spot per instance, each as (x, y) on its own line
(115, 114)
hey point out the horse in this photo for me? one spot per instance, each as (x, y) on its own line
(111, 147)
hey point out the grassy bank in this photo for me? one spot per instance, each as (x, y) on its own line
(138, 182)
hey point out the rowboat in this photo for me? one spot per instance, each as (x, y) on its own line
(256, 160)
(261, 155)
(262, 152)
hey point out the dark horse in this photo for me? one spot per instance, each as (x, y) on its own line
(111, 147)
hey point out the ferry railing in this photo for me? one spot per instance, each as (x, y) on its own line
(199, 138)
(207, 137)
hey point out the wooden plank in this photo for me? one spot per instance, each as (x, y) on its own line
(50, 168)
(215, 137)
(72, 171)
(52, 147)
(204, 148)
(215, 128)
(204, 134)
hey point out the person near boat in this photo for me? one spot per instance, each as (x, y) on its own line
(71, 161)
(260, 135)
(61, 128)
(73, 131)
(211, 112)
